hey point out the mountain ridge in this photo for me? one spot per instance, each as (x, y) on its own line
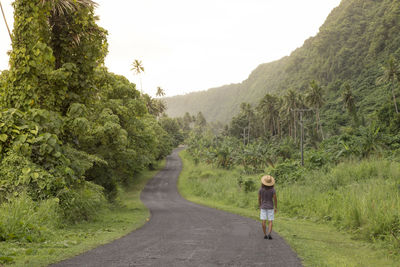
(355, 39)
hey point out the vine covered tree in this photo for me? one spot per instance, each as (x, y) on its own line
(55, 51)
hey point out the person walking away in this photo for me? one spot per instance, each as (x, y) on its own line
(268, 204)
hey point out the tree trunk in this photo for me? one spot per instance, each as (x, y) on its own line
(319, 127)
(295, 127)
(264, 127)
(5, 21)
(248, 134)
(394, 98)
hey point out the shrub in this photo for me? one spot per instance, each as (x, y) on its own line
(287, 172)
(82, 203)
(23, 219)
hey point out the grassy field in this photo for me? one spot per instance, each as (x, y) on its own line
(113, 222)
(318, 242)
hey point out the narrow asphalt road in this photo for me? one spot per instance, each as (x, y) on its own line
(181, 233)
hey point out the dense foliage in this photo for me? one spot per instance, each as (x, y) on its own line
(332, 185)
(360, 197)
(70, 131)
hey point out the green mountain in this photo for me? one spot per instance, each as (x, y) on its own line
(357, 37)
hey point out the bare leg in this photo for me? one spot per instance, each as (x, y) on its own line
(264, 227)
(269, 227)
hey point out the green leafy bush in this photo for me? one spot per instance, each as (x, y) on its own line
(26, 220)
(81, 203)
(287, 172)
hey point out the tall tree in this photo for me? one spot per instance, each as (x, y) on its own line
(248, 113)
(391, 74)
(315, 99)
(43, 76)
(137, 67)
(31, 60)
(160, 92)
(154, 106)
(268, 108)
(290, 104)
(200, 123)
(349, 102)
(61, 7)
(62, 21)
(187, 120)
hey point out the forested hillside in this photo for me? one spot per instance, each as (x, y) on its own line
(324, 122)
(351, 46)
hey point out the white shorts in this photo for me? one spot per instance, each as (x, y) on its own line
(267, 215)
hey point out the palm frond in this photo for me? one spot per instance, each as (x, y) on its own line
(61, 7)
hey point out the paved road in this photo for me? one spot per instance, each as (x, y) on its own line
(181, 233)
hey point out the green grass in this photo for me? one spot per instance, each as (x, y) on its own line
(113, 222)
(317, 243)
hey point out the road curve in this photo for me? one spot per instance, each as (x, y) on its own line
(181, 233)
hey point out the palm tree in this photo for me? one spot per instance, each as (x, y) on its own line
(315, 100)
(291, 103)
(247, 111)
(138, 69)
(391, 73)
(59, 20)
(268, 109)
(160, 92)
(5, 20)
(61, 7)
(349, 101)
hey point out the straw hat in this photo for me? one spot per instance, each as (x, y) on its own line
(268, 180)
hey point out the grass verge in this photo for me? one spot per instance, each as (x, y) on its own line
(115, 221)
(317, 244)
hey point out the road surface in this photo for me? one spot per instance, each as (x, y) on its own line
(181, 233)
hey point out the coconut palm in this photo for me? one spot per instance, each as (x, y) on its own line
(60, 11)
(315, 99)
(160, 92)
(138, 70)
(247, 111)
(61, 7)
(391, 73)
(268, 109)
(290, 104)
(349, 102)
(5, 20)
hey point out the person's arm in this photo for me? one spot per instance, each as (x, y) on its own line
(275, 203)
(259, 200)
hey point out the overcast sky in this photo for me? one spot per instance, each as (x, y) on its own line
(188, 45)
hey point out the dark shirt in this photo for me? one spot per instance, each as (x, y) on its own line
(266, 195)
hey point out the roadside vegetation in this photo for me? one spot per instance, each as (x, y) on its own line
(59, 240)
(350, 176)
(73, 136)
(341, 238)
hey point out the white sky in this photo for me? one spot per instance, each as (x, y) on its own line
(188, 45)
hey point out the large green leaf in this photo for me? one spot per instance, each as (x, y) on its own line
(3, 137)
